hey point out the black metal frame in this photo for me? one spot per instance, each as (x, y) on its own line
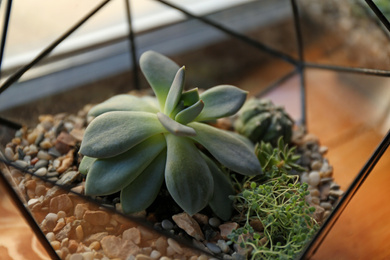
(300, 65)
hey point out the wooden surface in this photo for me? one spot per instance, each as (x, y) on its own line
(17, 241)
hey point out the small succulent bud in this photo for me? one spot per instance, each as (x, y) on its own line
(260, 120)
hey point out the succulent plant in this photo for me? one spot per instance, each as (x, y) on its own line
(260, 120)
(135, 143)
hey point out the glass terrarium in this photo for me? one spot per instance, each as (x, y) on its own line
(324, 63)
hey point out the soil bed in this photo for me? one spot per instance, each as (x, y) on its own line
(79, 229)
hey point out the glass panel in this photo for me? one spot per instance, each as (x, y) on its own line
(363, 228)
(347, 33)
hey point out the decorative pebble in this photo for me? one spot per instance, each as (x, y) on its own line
(315, 200)
(41, 171)
(27, 158)
(9, 154)
(61, 214)
(55, 244)
(155, 254)
(326, 180)
(314, 192)
(39, 139)
(95, 245)
(167, 224)
(52, 174)
(88, 255)
(51, 217)
(21, 164)
(326, 205)
(175, 246)
(79, 233)
(56, 163)
(223, 245)
(304, 177)
(133, 235)
(32, 202)
(214, 222)
(316, 165)
(50, 237)
(323, 150)
(213, 248)
(76, 257)
(46, 144)
(314, 178)
(32, 149)
(41, 163)
(336, 193)
(189, 225)
(334, 186)
(68, 178)
(53, 152)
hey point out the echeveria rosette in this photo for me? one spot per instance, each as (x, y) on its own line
(135, 143)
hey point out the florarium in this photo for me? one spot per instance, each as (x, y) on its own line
(173, 171)
(234, 176)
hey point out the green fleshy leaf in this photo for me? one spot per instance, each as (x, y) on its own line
(244, 139)
(220, 203)
(141, 193)
(178, 108)
(115, 132)
(175, 91)
(187, 175)
(190, 97)
(159, 71)
(221, 101)
(190, 113)
(107, 176)
(227, 149)
(86, 164)
(174, 127)
(123, 103)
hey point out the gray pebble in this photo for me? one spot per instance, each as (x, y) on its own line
(314, 178)
(68, 178)
(21, 163)
(54, 152)
(53, 179)
(32, 149)
(323, 150)
(41, 163)
(27, 158)
(9, 154)
(326, 180)
(41, 171)
(39, 139)
(316, 165)
(334, 186)
(236, 256)
(223, 245)
(336, 193)
(166, 224)
(213, 248)
(316, 156)
(43, 155)
(304, 177)
(56, 163)
(214, 222)
(52, 174)
(326, 205)
(315, 200)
